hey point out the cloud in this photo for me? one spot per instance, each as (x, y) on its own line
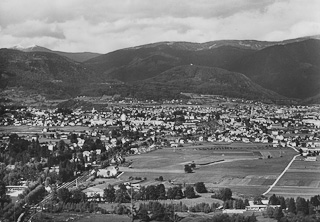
(107, 25)
(34, 28)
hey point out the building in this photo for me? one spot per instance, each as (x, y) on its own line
(110, 171)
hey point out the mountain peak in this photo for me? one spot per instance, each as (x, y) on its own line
(31, 48)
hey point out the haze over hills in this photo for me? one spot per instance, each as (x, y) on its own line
(75, 56)
(271, 70)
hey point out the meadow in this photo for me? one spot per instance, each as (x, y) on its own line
(246, 170)
(302, 179)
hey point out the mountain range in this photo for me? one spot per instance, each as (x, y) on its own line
(253, 69)
(75, 56)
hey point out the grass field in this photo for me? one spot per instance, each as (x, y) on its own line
(247, 171)
(84, 217)
(302, 179)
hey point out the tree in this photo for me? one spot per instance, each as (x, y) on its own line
(3, 191)
(270, 212)
(292, 206)
(73, 138)
(302, 206)
(273, 200)
(246, 202)
(143, 214)
(282, 203)
(78, 196)
(161, 192)
(257, 200)
(64, 194)
(240, 204)
(109, 194)
(121, 194)
(187, 168)
(225, 194)
(189, 192)
(201, 188)
(315, 201)
(177, 193)
(151, 193)
(278, 214)
(170, 193)
(158, 211)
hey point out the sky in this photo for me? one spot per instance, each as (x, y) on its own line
(106, 25)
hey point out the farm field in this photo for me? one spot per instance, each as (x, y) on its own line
(247, 171)
(302, 179)
(84, 217)
(38, 129)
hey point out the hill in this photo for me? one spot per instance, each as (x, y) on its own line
(202, 80)
(47, 73)
(142, 63)
(237, 68)
(245, 44)
(75, 56)
(292, 70)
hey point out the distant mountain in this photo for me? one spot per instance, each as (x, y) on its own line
(290, 67)
(75, 56)
(292, 70)
(239, 68)
(246, 44)
(202, 80)
(47, 73)
(312, 100)
(146, 62)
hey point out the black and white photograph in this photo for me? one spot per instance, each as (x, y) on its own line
(149, 110)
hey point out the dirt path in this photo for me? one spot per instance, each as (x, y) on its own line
(279, 177)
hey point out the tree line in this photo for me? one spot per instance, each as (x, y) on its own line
(291, 209)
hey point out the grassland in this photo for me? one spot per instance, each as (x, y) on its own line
(302, 179)
(84, 217)
(246, 169)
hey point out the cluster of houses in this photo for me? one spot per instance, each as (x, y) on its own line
(256, 123)
(147, 128)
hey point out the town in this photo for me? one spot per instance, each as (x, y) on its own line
(113, 159)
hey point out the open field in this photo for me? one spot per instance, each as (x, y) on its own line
(38, 129)
(247, 171)
(205, 198)
(302, 179)
(84, 217)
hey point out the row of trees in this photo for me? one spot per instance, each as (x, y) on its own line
(90, 207)
(155, 211)
(10, 211)
(223, 194)
(152, 192)
(296, 206)
(65, 196)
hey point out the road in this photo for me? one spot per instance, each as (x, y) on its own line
(279, 177)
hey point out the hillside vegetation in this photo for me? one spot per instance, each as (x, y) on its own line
(270, 71)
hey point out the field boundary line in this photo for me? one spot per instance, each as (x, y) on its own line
(295, 149)
(279, 177)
